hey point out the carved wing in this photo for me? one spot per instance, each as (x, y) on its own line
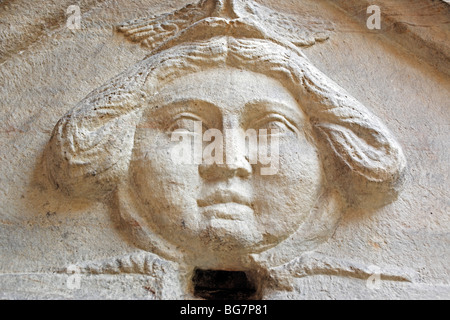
(312, 263)
(160, 275)
(152, 32)
(302, 30)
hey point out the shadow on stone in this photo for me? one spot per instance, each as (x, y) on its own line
(223, 285)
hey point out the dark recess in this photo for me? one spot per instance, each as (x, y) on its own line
(223, 285)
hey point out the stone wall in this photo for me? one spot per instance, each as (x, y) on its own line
(55, 245)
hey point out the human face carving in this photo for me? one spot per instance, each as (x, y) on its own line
(222, 212)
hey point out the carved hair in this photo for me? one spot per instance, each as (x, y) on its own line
(91, 146)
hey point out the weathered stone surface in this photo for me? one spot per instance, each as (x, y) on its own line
(353, 203)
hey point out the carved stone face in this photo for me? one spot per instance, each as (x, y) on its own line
(222, 212)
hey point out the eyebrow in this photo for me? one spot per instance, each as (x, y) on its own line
(296, 114)
(185, 105)
(178, 101)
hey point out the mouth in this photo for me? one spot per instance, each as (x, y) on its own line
(226, 205)
(223, 197)
(228, 211)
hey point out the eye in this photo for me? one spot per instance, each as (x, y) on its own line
(275, 124)
(188, 123)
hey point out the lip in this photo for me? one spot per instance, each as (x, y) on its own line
(228, 211)
(226, 205)
(224, 197)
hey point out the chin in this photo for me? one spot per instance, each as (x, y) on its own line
(226, 245)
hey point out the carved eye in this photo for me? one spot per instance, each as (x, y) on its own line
(275, 124)
(187, 123)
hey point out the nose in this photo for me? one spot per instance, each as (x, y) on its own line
(236, 163)
(239, 168)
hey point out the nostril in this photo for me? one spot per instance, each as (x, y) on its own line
(205, 171)
(244, 172)
(225, 171)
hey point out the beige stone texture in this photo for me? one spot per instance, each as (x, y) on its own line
(94, 205)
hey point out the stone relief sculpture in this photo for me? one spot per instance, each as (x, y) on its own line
(230, 65)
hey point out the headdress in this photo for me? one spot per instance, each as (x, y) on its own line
(370, 159)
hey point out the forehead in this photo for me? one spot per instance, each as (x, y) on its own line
(230, 90)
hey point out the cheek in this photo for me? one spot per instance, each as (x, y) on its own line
(163, 186)
(285, 199)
